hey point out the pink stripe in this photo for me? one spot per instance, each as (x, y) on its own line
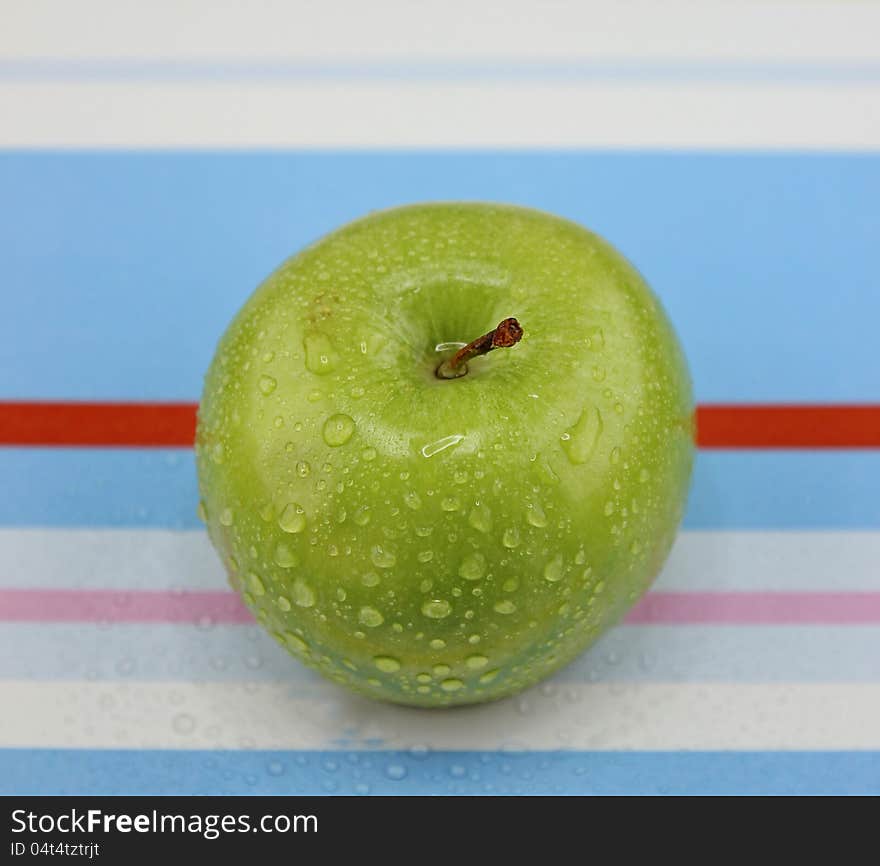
(657, 608)
(757, 608)
(107, 605)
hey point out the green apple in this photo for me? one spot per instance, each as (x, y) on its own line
(434, 526)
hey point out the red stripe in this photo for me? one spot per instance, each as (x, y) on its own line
(224, 607)
(788, 426)
(163, 425)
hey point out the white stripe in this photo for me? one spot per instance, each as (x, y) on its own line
(429, 114)
(166, 559)
(266, 29)
(603, 717)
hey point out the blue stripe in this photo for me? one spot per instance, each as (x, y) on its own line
(120, 270)
(686, 654)
(157, 488)
(51, 771)
(574, 69)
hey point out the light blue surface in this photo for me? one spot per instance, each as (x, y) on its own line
(51, 771)
(120, 270)
(627, 654)
(157, 488)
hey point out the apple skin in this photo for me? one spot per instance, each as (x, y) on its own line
(438, 542)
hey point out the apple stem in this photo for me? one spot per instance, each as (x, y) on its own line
(507, 334)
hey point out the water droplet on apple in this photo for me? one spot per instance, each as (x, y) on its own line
(553, 570)
(511, 537)
(412, 500)
(362, 515)
(425, 555)
(511, 584)
(595, 339)
(451, 503)
(614, 457)
(338, 429)
(489, 676)
(295, 642)
(303, 469)
(473, 566)
(476, 662)
(226, 517)
(283, 603)
(442, 444)
(370, 617)
(451, 685)
(267, 385)
(256, 585)
(381, 557)
(321, 357)
(481, 518)
(303, 595)
(284, 556)
(608, 510)
(506, 606)
(644, 474)
(292, 518)
(579, 442)
(387, 664)
(438, 644)
(217, 453)
(370, 579)
(436, 608)
(441, 670)
(535, 515)
(598, 373)
(368, 454)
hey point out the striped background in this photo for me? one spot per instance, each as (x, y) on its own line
(153, 169)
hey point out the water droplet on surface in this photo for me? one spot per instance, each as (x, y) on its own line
(256, 585)
(438, 644)
(275, 768)
(292, 518)
(395, 772)
(217, 453)
(451, 685)
(303, 469)
(370, 617)
(442, 444)
(595, 339)
(451, 503)
(381, 557)
(510, 585)
(303, 595)
(553, 570)
(321, 357)
(614, 457)
(283, 603)
(480, 518)
(412, 500)
(506, 606)
(386, 664)
(362, 515)
(511, 537)
(369, 454)
(338, 429)
(183, 723)
(608, 510)
(644, 475)
(579, 442)
(475, 662)
(226, 517)
(436, 608)
(473, 566)
(489, 676)
(425, 555)
(267, 385)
